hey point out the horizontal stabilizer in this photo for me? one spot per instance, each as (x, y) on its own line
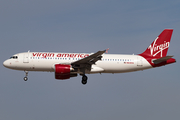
(157, 61)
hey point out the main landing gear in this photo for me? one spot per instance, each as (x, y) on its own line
(26, 78)
(84, 79)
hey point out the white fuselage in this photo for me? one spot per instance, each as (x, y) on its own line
(110, 63)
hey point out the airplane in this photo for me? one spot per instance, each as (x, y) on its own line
(67, 65)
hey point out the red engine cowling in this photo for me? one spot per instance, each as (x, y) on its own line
(62, 71)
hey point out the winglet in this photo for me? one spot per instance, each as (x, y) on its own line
(107, 50)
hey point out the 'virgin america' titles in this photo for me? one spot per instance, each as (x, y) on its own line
(44, 55)
(158, 48)
(72, 55)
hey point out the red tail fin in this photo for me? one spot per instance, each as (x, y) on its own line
(160, 45)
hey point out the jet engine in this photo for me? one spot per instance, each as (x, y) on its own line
(63, 71)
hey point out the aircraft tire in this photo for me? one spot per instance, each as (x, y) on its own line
(84, 79)
(25, 78)
(84, 82)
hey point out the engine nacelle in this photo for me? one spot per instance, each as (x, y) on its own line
(62, 71)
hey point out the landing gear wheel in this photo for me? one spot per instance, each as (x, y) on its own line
(84, 82)
(84, 79)
(25, 78)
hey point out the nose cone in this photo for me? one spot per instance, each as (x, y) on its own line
(6, 64)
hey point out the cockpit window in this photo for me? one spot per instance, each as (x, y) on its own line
(14, 57)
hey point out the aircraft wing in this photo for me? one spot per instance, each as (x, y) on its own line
(90, 59)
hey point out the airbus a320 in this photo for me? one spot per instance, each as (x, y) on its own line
(67, 65)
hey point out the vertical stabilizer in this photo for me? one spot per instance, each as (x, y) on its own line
(160, 45)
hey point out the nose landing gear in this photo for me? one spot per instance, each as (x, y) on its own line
(26, 78)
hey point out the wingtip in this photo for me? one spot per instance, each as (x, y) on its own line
(107, 50)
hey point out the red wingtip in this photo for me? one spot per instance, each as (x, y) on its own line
(107, 50)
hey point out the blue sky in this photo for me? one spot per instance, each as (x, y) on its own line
(125, 26)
